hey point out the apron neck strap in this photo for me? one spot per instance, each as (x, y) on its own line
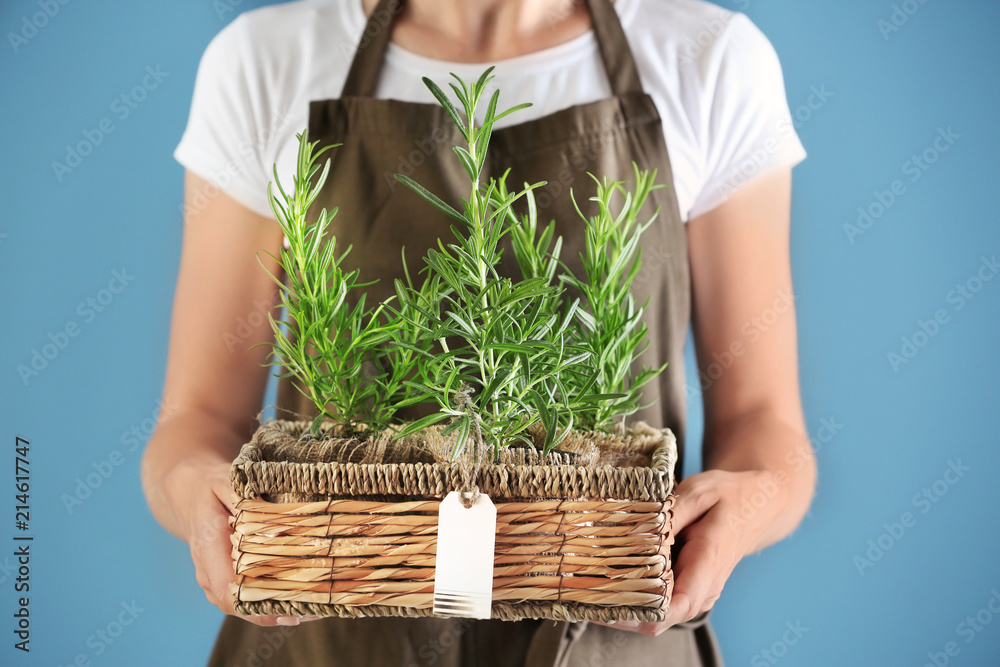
(363, 75)
(362, 78)
(619, 64)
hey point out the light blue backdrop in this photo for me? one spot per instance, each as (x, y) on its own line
(878, 574)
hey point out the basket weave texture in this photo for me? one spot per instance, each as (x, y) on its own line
(583, 535)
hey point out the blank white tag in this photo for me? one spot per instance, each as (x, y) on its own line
(463, 570)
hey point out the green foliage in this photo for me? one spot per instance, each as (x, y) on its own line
(609, 325)
(611, 328)
(506, 373)
(335, 348)
(496, 355)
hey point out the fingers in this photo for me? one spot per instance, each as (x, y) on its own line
(648, 629)
(709, 549)
(695, 496)
(204, 502)
(211, 550)
(705, 560)
(213, 542)
(704, 564)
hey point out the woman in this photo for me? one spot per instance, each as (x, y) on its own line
(610, 85)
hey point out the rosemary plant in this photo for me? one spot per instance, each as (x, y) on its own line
(609, 325)
(496, 355)
(335, 341)
(506, 374)
(611, 328)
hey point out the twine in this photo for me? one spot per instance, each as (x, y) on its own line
(566, 611)
(239, 561)
(469, 491)
(562, 552)
(329, 549)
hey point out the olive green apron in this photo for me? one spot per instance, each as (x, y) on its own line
(378, 217)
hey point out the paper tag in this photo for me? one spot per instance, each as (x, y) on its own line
(463, 571)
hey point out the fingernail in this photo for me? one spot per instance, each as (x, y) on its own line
(627, 625)
(287, 620)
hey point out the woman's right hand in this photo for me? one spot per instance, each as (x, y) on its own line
(204, 503)
(215, 381)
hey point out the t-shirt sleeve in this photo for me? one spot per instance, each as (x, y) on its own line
(747, 124)
(227, 128)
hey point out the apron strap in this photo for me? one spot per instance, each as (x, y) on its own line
(623, 75)
(363, 75)
(362, 78)
(552, 642)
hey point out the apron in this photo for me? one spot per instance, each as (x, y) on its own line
(378, 216)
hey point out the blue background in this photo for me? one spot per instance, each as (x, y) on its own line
(897, 429)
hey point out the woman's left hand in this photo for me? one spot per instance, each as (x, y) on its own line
(755, 441)
(715, 535)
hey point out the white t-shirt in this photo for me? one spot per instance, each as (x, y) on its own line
(713, 76)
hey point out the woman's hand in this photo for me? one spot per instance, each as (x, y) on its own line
(216, 377)
(203, 503)
(755, 443)
(716, 533)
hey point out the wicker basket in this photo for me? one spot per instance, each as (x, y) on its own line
(575, 540)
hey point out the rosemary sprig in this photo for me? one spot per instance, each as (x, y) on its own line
(611, 327)
(505, 375)
(334, 347)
